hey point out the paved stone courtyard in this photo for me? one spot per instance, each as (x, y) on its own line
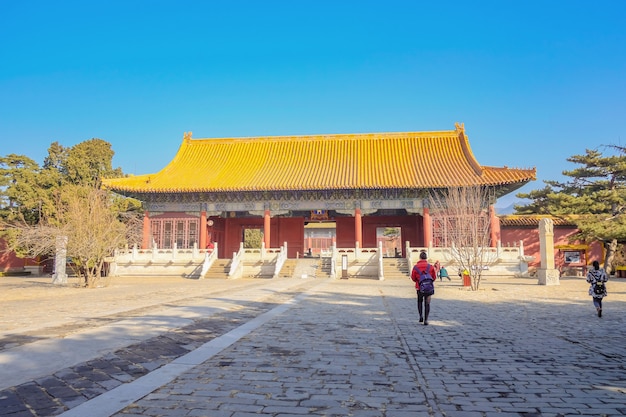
(296, 347)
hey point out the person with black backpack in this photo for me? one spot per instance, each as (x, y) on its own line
(597, 278)
(424, 277)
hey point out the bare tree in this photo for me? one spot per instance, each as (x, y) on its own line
(461, 219)
(87, 219)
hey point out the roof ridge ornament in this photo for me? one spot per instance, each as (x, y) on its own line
(187, 135)
(467, 151)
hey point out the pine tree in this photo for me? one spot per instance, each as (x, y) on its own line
(594, 199)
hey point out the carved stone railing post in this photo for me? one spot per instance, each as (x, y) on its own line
(381, 269)
(60, 259)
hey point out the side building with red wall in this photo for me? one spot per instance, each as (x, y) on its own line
(571, 257)
(9, 261)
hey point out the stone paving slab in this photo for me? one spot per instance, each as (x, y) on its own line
(334, 353)
(354, 347)
(133, 353)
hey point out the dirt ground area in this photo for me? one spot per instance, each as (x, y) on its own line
(31, 303)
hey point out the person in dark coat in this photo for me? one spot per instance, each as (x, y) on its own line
(597, 278)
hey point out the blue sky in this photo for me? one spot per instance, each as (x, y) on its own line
(534, 81)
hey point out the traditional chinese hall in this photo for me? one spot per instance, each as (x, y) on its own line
(310, 192)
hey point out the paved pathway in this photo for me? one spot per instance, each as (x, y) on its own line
(354, 348)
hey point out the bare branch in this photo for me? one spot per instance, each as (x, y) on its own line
(461, 221)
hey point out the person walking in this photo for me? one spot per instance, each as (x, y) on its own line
(437, 267)
(424, 276)
(597, 278)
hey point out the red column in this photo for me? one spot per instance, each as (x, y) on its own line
(358, 227)
(146, 237)
(203, 231)
(428, 232)
(266, 228)
(494, 227)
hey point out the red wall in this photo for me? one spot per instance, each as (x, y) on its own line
(412, 230)
(345, 232)
(290, 230)
(511, 236)
(227, 232)
(8, 260)
(233, 234)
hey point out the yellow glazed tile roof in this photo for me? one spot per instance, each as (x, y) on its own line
(410, 160)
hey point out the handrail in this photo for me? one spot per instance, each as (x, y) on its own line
(510, 259)
(381, 269)
(280, 259)
(236, 266)
(209, 259)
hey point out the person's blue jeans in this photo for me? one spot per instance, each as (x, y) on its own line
(597, 302)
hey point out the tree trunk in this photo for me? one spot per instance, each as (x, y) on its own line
(82, 273)
(94, 277)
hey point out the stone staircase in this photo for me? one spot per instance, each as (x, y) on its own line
(219, 269)
(259, 269)
(288, 269)
(393, 268)
(325, 267)
(307, 268)
(292, 268)
(396, 268)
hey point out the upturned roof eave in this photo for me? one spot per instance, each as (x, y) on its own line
(508, 186)
(345, 161)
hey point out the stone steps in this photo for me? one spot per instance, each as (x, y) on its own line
(219, 269)
(396, 268)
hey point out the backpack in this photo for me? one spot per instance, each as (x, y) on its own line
(599, 288)
(426, 285)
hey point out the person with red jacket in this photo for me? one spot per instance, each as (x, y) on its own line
(424, 277)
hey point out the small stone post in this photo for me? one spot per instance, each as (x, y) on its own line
(547, 274)
(60, 259)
